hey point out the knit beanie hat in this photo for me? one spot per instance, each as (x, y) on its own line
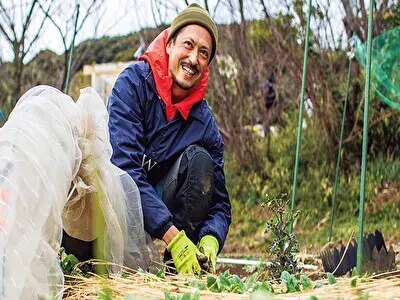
(195, 14)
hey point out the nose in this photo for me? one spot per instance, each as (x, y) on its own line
(193, 57)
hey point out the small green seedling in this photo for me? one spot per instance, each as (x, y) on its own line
(306, 282)
(284, 244)
(290, 282)
(331, 278)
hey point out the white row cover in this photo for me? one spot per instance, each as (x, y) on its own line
(54, 167)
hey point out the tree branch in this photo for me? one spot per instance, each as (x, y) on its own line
(5, 34)
(10, 24)
(206, 6)
(27, 22)
(38, 31)
(215, 8)
(266, 14)
(56, 25)
(89, 11)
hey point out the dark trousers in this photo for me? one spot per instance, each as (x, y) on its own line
(188, 188)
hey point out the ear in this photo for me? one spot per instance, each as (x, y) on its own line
(169, 47)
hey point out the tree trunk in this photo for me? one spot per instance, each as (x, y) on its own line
(241, 10)
(65, 71)
(17, 68)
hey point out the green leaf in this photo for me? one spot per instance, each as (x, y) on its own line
(265, 286)
(196, 295)
(69, 263)
(353, 281)
(354, 272)
(250, 282)
(187, 296)
(212, 284)
(331, 278)
(223, 283)
(285, 276)
(160, 274)
(306, 282)
(168, 296)
(290, 282)
(237, 285)
(312, 297)
(105, 294)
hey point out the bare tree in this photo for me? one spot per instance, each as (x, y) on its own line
(65, 25)
(21, 32)
(356, 17)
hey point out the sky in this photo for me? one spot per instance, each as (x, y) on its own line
(121, 17)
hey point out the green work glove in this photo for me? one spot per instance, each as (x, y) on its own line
(209, 246)
(184, 253)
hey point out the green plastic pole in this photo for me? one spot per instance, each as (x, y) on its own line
(365, 139)
(299, 128)
(340, 148)
(71, 54)
(3, 117)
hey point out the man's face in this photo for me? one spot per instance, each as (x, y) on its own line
(189, 55)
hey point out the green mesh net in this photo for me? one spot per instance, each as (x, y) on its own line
(385, 65)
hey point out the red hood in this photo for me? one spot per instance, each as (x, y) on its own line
(157, 57)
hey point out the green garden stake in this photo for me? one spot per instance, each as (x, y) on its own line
(3, 117)
(299, 128)
(351, 56)
(365, 139)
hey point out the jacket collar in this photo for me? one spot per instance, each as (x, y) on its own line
(196, 111)
(157, 57)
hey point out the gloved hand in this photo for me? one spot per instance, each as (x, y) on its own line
(185, 254)
(209, 246)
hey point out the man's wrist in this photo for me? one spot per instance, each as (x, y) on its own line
(170, 234)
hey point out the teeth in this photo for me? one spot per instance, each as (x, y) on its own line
(188, 70)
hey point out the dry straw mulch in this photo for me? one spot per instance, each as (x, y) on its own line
(383, 286)
(149, 286)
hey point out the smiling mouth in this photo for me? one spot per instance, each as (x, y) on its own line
(189, 71)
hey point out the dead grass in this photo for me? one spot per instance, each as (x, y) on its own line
(145, 285)
(366, 288)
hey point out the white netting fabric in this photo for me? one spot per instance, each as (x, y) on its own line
(48, 145)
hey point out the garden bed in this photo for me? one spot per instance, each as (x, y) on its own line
(139, 285)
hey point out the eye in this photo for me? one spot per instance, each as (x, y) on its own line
(204, 53)
(188, 44)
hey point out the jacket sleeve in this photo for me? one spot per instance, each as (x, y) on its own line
(219, 218)
(125, 107)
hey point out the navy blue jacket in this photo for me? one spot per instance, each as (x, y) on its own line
(145, 145)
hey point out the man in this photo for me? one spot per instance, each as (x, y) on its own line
(164, 135)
